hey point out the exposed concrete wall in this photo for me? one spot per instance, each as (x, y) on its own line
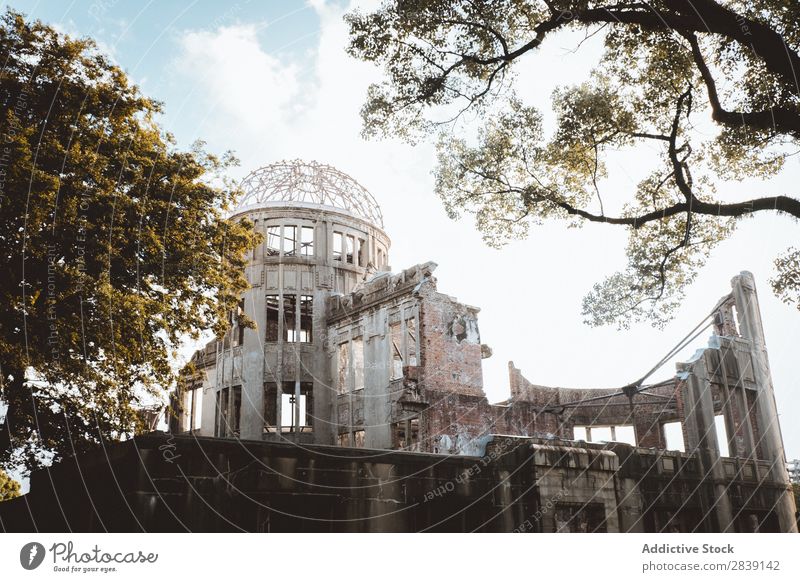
(436, 342)
(770, 439)
(574, 481)
(180, 483)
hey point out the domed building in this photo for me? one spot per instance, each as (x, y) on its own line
(335, 355)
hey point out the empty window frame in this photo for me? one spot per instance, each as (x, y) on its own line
(344, 439)
(673, 434)
(350, 249)
(273, 248)
(306, 319)
(307, 392)
(623, 433)
(343, 367)
(598, 434)
(722, 435)
(273, 316)
(289, 244)
(297, 410)
(270, 406)
(411, 341)
(358, 363)
(307, 241)
(337, 246)
(396, 338)
(289, 318)
(228, 411)
(221, 413)
(236, 411)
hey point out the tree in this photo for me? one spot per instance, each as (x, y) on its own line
(115, 246)
(9, 488)
(710, 86)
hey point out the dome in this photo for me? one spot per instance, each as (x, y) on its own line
(309, 182)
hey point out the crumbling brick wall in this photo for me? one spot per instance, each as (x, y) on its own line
(564, 408)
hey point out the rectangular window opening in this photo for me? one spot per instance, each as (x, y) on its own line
(620, 433)
(289, 318)
(337, 246)
(396, 350)
(270, 405)
(228, 412)
(289, 241)
(297, 411)
(307, 241)
(221, 413)
(307, 392)
(599, 434)
(625, 434)
(343, 366)
(288, 404)
(273, 241)
(273, 315)
(358, 363)
(673, 433)
(236, 411)
(306, 319)
(411, 341)
(722, 435)
(350, 249)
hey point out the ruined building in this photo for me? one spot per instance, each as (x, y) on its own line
(356, 403)
(346, 353)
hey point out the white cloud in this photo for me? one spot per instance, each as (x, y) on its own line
(248, 87)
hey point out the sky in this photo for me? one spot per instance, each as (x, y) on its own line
(272, 81)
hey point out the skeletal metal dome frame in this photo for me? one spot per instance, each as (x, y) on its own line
(312, 182)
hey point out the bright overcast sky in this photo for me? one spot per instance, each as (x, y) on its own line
(271, 81)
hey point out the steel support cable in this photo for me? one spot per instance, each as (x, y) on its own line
(636, 387)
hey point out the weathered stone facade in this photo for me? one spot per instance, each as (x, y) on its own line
(516, 484)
